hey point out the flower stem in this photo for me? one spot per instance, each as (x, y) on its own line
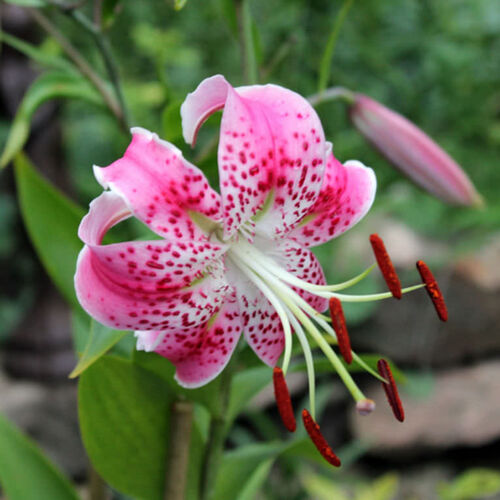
(181, 418)
(249, 62)
(216, 437)
(82, 65)
(326, 60)
(331, 94)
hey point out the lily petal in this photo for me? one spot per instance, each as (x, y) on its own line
(302, 263)
(346, 196)
(272, 151)
(138, 284)
(160, 187)
(261, 324)
(199, 353)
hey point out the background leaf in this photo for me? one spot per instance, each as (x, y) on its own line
(52, 222)
(100, 340)
(35, 53)
(124, 415)
(47, 86)
(25, 473)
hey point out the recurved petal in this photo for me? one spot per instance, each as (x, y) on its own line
(199, 353)
(346, 196)
(271, 151)
(160, 187)
(118, 301)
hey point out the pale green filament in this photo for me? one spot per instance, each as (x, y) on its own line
(358, 360)
(277, 306)
(291, 279)
(290, 299)
(309, 362)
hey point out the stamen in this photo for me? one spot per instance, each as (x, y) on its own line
(391, 390)
(318, 440)
(301, 336)
(283, 400)
(386, 266)
(338, 323)
(433, 290)
(365, 407)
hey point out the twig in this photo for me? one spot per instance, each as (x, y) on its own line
(79, 61)
(181, 418)
(98, 489)
(107, 57)
(98, 13)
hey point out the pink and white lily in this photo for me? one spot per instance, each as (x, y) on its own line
(229, 263)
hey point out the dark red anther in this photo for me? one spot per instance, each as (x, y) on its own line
(318, 440)
(338, 323)
(433, 290)
(391, 390)
(386, 266)
(283, 400)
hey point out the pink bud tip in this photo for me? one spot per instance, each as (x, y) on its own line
(413, 152)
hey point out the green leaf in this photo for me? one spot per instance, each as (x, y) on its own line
(52, 222)
(238, 466)
(171, 121)
(471, 485)
(179, 4)
(100, 340)
(206, 395)
(255, 481)
(25, 473)
(383, 488)
(245, 385)
(321, 488)
(47, 86)
(27, 3)
(36, 53)
(124, 421)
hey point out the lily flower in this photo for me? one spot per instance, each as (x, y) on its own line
(233, 263)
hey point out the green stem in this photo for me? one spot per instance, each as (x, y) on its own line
(82, 65)
(98, 489)
(108, 59)
(216, 437)
(325, 66)
(249, 62)
(331, 94)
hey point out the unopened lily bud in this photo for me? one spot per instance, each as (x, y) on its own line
(413, 152)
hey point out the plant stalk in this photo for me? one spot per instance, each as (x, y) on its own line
(331, 94)
(107, 56)
(326, 60)
(249, 62)
(181, 419)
